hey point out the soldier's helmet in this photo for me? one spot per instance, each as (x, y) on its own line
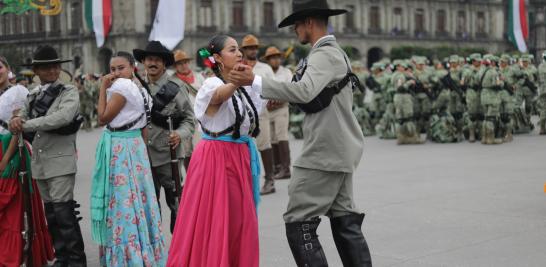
(475, 56)
(525, 58)
(420, 60)
(357, 64)
(454, 59)
(377, 66)
(505, 58)
(488, 58)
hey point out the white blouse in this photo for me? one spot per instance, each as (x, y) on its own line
(134, 103)
(12, 99)
(225, 117)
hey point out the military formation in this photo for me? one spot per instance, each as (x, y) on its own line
(485, 98)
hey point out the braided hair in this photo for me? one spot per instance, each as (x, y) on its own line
(215, 46)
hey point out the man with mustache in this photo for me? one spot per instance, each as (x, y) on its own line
(170, 100)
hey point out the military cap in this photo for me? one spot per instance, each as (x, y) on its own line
(377, 65)
(400, 62)
(454, 58)
(488, 57)
(357, 64)
(525, 58)
(505, 58)
(420, 60)
(475, 56)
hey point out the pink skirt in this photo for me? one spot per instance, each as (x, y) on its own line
(217, 223)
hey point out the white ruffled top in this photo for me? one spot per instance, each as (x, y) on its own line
(12, 99)
(134, 103)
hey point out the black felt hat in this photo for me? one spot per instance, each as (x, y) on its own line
(305, 8)
(155, 48)
(45, 55)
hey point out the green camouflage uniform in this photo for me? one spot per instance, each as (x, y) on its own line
(406, 129)
(87, 103)
(491, 103)
(472, 78)
(386, 127)
(507, 99)
(423, 103)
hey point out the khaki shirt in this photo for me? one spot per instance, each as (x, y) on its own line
(333, 140)
(158, 138)
(53, 154)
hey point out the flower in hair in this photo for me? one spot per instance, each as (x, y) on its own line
(208, 59)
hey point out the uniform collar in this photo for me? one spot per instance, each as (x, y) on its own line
(324, 39)
(162, 80)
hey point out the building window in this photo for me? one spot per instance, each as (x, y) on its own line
(480, 21)
(205, 16)
(397, 28)
(441, 21)
(76, 17)
(40, 22)
(29, 22)
(350, 19)
(6, 25)
(420, 31)
(18, 20)
(461, 25)
(269, 18)
(238, 15)
(55, 23)
(375, 20)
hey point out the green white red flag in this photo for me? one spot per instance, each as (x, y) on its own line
(98, 15)
(518, 29)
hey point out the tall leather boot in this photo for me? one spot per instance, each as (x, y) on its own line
(350, 242)
(267, 160)
(58, 240)
(304, 244)
(284, 171)
(276, 158)
(69, 229)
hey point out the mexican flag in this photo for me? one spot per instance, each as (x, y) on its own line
(98, 15)
(518, 29)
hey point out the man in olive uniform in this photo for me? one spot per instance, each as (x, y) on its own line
(529, 89)
(170, 100)
(541, 102)
(423, 102)
(406, 131)
(472, 81)
(491, 85)
(322, 178)
(51, 113)
(507, 98)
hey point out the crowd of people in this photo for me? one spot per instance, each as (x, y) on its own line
(222, 126)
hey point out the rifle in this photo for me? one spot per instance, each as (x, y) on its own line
(28, 226)
(373, 84)
(527, 83)
(175, 169)
(448, 82)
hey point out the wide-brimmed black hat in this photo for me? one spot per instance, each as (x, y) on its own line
(155, 48)
(305, 8)
(45, 55)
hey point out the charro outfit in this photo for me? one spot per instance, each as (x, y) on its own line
(11, 194)
(322, 178)
(170, 100)
(126, 221)
(218, 224)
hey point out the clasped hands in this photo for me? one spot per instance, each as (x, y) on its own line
(240, 75)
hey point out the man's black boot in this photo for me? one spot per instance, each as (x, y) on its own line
(350, 242)
(304, 243)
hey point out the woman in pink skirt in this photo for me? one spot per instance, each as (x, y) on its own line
(217, 224)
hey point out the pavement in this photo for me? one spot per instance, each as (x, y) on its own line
(426, 205)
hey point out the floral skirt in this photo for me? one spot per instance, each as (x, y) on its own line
(133, 220)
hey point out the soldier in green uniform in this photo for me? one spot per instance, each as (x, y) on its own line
(87, 103)
(529, 89)
(406, 130)
(491, 85)
(472, 81)
(507, 98)
(376, 83)
(51, 114)
(386, 126)
(541, 101)
(170, 100)
(423, 101)
(360, 108)
(443, 128)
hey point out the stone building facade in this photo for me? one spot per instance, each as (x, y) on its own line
(372, 26)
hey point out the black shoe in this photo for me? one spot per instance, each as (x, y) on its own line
(69, 229)
(304, 243)
(350, 242)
